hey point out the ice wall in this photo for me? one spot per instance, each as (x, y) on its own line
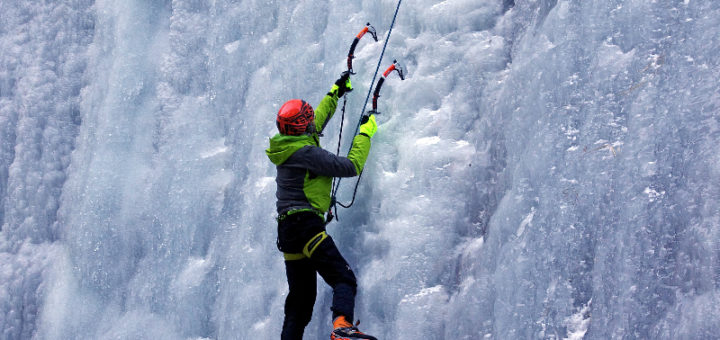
(42, 71)
(546, 171)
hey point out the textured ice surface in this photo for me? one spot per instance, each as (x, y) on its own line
(548, 169)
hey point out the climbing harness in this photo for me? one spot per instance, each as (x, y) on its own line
(308, 249)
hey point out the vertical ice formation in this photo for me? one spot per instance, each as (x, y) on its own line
(546, 171)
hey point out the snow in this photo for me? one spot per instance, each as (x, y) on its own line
(578, 323)
(525, 222)
(232, 47)
(547, 169)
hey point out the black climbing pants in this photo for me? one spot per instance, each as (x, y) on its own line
(294, 232)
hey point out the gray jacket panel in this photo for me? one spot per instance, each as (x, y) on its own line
(291, 175)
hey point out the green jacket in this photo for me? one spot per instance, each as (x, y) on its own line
(305, 170)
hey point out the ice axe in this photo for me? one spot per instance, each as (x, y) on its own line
(351, 55)
(394, 67)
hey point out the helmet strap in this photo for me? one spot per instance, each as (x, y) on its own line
(310, 129)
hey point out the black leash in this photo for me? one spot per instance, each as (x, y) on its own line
(330, 215)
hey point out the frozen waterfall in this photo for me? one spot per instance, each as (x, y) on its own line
(548, 170)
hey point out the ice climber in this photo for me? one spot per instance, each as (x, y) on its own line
(304, 178)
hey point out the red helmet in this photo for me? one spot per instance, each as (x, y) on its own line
(294, 117)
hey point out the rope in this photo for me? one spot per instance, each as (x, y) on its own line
(377, 68)
(336, 181)
(357, 128)
(342, 122)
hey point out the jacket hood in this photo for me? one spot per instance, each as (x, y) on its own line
(283, 146)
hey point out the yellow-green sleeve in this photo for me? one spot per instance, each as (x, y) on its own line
(359, 152)
(325, 110)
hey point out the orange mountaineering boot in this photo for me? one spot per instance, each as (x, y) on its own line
(344, 330)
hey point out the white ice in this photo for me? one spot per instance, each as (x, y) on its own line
(548, 169)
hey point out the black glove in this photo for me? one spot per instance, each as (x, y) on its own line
(343, 84)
